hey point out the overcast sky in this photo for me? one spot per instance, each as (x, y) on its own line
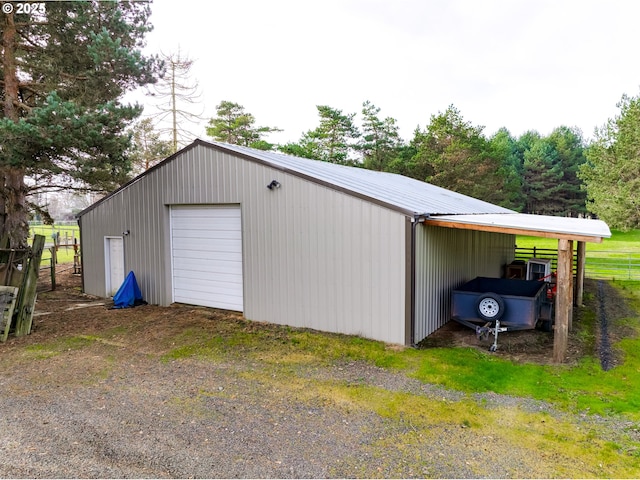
(519, 64)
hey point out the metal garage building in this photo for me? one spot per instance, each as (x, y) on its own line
(290, 241)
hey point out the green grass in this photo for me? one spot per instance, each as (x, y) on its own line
(280, 364)
(619, 241)
(67, 234)
(615, 258)
(583, 387)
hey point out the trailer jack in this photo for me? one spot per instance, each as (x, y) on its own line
(483, 333)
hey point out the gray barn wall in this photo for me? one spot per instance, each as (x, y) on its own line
(313, 256)
(445, 259)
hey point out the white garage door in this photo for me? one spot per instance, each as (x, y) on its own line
(206, 244)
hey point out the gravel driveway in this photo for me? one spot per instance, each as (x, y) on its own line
(116, 408)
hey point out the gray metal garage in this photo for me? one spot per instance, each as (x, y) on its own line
(293, 241)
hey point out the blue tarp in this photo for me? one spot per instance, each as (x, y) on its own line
(128, 295)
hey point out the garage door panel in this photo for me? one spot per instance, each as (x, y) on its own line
(224, 301)
(212, 257)
(221, 234)
(207, 277)
(199, 223)
(202, 244)
(207, 256)
(207, 211)
(213, 266)
(203, 290)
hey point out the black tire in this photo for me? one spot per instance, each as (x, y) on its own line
(490, 307)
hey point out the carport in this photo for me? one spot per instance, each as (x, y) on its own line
(567, 230)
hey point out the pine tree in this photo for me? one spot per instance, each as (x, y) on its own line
(612, 172)
(147, 148)
(236, 126)
(333, 141)
(380, 141)
(65, 68)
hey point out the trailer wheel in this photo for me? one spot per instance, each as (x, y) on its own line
(490, 306)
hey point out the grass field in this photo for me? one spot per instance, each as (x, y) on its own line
(67, 234)
(619, 241)
(616, 258)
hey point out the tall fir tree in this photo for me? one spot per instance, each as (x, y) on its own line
(380, 141)
(333, 141)
(612, 171)
(65, 68)
(456, 155)
(570, 148)
(233, 124)
(542, 179)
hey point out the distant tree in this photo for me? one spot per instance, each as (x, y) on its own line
(504, 147)
(178, 95)
(570, 150)
(542, 179)
(64, 70)
(334, 140)
(456, 155)
(380, 141)
(612, 171)
(236, 126)
(409, 163)
(147, 148)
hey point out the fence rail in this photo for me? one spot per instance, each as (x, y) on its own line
(605, 265)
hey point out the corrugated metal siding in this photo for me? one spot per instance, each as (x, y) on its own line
(447, 258)
(313, 256)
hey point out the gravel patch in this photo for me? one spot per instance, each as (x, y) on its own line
(111, 408)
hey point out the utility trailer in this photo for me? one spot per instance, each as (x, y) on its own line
(496, 305)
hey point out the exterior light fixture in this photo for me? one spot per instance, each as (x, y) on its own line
(274, 184)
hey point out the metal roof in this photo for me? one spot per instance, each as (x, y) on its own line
(399, 192)
(526, 224)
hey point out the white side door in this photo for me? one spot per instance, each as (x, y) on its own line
(114, 264)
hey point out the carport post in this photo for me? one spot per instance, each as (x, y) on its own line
(580, 266)
(564, 299)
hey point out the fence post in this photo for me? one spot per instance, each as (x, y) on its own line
(53, 274)
(580, 268)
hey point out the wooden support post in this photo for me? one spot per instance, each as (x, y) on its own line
(564, 300)
(572, 285)
(580, 267)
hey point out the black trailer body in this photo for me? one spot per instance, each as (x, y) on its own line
(517, 304)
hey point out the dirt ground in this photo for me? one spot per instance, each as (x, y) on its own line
(536, 346)
(113, 409)
(64, 311)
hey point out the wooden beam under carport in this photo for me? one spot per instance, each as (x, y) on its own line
(564, 279)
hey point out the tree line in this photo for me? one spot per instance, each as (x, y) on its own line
(64, 126)
(531, 173)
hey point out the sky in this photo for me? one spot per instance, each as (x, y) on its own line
(520, 64)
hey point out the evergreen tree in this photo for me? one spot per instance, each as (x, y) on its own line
(380, 141)
(236, 126)
(612, 171)
(569, 146)
(457, 156)
(542, 179)
(147, 147)
(334, 140)
(504, 147)
(64, 70)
